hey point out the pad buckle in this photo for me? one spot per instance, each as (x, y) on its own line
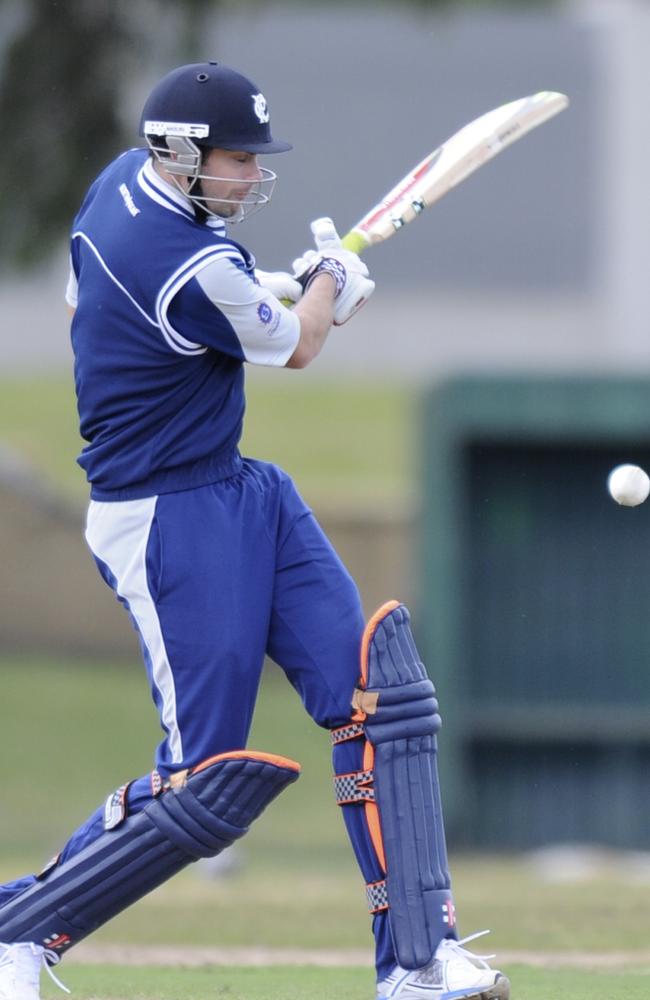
(377, 896)
(354, 787)
(353, 731)
(365, 701)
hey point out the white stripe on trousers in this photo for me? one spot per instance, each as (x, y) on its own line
(117, 534)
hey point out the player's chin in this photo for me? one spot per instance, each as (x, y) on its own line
(224, 209)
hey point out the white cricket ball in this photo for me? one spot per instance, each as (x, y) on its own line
(628, 485)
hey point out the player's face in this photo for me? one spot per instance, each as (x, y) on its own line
(231, 177)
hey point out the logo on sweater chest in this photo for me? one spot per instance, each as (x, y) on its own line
(128, 200)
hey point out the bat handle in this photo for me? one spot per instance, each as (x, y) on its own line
(354, 240)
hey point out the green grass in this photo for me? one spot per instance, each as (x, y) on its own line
(38, 420)
(343, 441)
(299, 983)
(213, 983)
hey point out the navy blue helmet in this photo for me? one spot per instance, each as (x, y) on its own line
(215, 106)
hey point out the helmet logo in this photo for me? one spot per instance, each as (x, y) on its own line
(260, 108)
(189, 129)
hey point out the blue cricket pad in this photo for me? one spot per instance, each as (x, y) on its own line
(216, 806)
(402, 730)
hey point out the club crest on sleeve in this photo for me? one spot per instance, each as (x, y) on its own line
(260, 108)
(265, 312)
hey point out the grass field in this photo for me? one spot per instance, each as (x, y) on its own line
(304, 983)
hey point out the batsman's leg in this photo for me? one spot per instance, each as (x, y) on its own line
(314, 635)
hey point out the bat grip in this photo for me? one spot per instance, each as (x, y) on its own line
(354, 241)
(302, 281)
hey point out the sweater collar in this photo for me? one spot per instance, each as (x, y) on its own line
(172, 198)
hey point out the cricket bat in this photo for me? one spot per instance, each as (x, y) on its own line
(463, 153)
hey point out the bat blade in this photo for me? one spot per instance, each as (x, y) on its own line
(449, 164)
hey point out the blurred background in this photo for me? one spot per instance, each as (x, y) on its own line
(454, 439)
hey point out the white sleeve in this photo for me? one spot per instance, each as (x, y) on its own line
(72, 289)
(267, 331)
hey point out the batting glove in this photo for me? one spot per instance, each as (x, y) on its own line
(281, 284)
(353, 285)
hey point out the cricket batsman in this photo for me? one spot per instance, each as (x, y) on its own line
(218, 560)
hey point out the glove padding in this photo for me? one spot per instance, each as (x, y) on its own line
(353, 285)
(282, 284)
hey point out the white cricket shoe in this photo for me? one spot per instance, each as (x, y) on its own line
(454, 974)
(20, 970)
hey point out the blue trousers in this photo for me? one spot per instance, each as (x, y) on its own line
(215, 579)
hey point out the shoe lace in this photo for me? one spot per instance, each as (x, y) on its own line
(458, 948)
(51, 958)
(16, 953)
